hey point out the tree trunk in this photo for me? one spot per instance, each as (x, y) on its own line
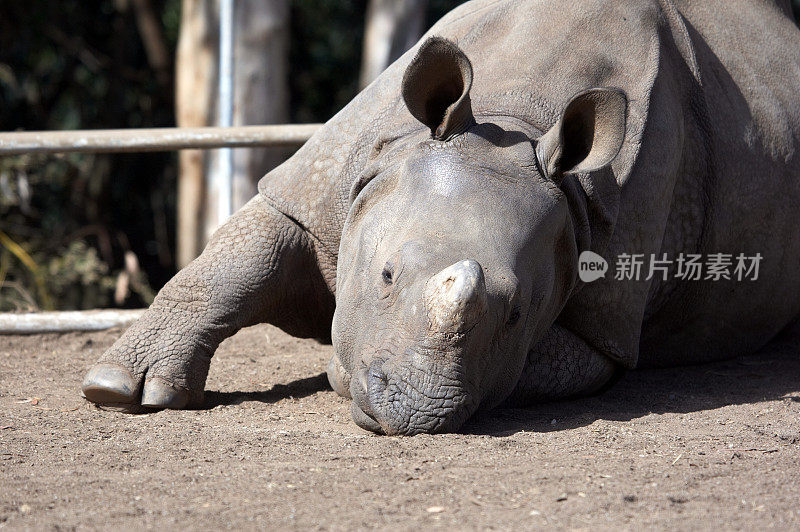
(155, 46)
(196, 89)
(392, 27)
(261, 94)
(261, 87)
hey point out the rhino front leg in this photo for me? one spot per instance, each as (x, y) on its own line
(259, 267)
(561, 365)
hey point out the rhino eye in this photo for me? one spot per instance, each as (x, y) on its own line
(513, 318)
(388, 273)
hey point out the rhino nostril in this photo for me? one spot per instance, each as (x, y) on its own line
(377, 375)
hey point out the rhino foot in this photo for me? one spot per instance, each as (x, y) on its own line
(133, 376)
(562, 365)
(115, 388)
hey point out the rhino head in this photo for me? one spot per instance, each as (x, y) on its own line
(461, 247)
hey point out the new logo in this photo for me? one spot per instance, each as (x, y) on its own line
(591, 266)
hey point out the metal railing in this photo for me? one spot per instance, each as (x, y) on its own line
(66, 320)
(156, 139)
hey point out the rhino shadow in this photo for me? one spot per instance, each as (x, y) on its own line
(768, 375)
(293, 390)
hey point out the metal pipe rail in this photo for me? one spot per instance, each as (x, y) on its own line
(64, 321)
(155, 139)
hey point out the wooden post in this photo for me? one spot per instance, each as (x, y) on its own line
(261, 86)
(391, 28)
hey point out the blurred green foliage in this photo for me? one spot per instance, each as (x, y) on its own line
(92, 225)
(77, 64)
(324, 56)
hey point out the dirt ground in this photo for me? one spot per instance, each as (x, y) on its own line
(702, 447)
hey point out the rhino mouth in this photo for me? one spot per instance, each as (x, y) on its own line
(395, 396)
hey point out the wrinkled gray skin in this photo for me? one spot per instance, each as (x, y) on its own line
(431, 229)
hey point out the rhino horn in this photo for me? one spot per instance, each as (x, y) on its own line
(436, 88)
(456, 298)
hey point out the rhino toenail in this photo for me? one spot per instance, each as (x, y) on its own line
(107, 383)
(158, 394)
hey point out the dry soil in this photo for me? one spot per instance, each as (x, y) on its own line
(713, 446)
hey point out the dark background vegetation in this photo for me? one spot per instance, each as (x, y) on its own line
(69, 224)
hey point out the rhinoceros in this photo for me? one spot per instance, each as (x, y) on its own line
(433, 229)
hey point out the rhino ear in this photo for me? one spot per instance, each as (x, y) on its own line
(588, 135)
(436, 88)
